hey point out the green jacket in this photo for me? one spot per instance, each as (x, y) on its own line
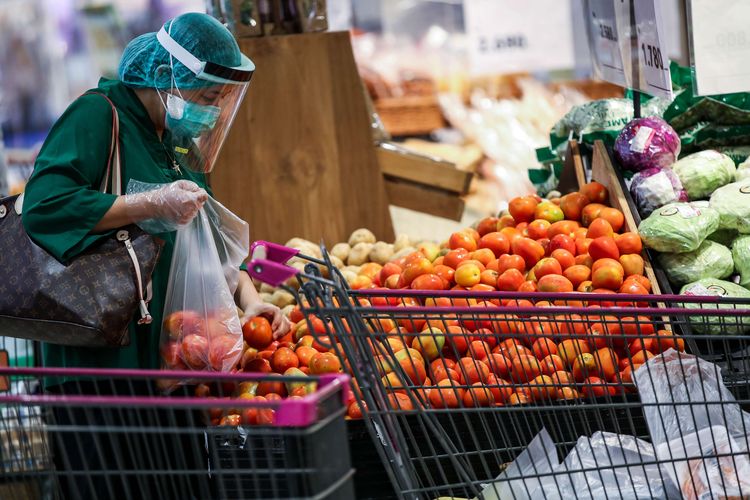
(62, 204)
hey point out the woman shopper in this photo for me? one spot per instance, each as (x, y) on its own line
(176, 97)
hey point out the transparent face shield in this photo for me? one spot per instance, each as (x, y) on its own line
(200, 117)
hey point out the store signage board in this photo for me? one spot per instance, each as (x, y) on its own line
(720, 45)
(606, 55)
(508, 36)
(642, 65)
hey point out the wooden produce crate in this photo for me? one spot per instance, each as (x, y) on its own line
(423, 183)
(604, 172)
(410, 115)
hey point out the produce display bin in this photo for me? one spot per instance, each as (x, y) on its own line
(674, 425)
(112, 432)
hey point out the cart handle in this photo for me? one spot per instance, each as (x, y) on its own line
(268, 262)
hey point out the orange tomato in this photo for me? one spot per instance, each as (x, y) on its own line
(551, 364)
(511, 233)
(642, 280)
(258, 333)
(566, 227)
(577, 274)
(615, 218)
(455, 257)
(522, 208)
(447, 394)
(525, 368)
(603, 247)
(632, 264)
(483, 255)
(538, 229)
(564, 257)
(543, 348)
(529, 250)
(609, 277)
(509, 261)
(429, 282)
(629, 243)
(478, 395)
(599, 227)
(546, 266)
(528, 286)
(591, 212)
(487, 225)
(555, 283)
(497, 242)
(595, 192)
(462, 239)
(669, 340)
(582, 245)
(562, 242)
(505, 221)
(445, 272)
(510, 280)
(572, 205)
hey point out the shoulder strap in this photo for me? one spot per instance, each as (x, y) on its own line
(113, 162)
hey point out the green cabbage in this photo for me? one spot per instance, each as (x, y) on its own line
(743, 171)
(732, 202)
(710, 260)
(678, 227)
(703, 172)
(717, 325)
(741, 256)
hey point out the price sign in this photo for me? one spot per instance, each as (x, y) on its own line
(720, 45)
(604, 41)
(635, 59)
(653, 74)
(507, 36)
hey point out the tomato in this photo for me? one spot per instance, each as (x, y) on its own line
(615, 218)
(595, 192)
(548, 211)
(257, 332)
(429, 282)
(538, 229)
(591, 212)
(529, 250)
(604, 247)
(577, 274)
(510, 280)
(508, 261)
(566, 227)
(487, 225)
(483, 255)
(522, 208)
(564, 257)
(462, 239)
(495, 241)
(599, 227)
(629, 243)
(555, 283)
(572, 205)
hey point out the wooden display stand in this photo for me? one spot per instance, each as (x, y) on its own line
(300, 160)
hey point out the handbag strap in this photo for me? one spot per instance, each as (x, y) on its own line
(114, 170)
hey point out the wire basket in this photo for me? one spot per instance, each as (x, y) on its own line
(455, 396)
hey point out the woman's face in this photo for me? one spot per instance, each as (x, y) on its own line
(206, 96)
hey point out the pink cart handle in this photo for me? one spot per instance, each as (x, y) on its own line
(268, 262)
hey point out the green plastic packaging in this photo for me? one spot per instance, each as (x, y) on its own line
(678, 227)
(710, 260)
(716, 325)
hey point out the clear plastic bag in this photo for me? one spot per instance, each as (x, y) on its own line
(201, 329)
(691, 414)
(593, 469)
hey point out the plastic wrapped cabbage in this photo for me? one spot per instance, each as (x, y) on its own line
(716, 325)
(710, 260)
(647, 142)
(741, 256)
(743, 171)
(703, 172)
(678, 227)
(655, 187)
(732, 202)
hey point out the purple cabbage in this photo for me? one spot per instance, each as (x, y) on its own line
(647, 142)
(654, 187)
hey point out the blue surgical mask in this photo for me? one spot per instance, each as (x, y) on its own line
(188, 119)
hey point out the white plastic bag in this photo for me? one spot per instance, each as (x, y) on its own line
(201, 329)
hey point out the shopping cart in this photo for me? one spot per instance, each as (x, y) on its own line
(659, 423)
(89, 433)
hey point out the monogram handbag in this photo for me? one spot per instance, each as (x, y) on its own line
(87, 302)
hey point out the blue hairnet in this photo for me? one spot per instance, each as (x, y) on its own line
(200, 34)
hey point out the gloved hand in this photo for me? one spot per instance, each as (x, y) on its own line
(177, 202)
(279, 323)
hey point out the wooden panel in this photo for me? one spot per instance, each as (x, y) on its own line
(299, 160)
(425, 199)
(573, 174)
(399, 162)
(603, 171)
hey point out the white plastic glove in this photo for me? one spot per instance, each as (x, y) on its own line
(177, 202)
(279, 323)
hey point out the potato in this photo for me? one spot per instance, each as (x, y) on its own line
(304, 246)
(337, 262)
(287, 310)
(359, 254)
(341, 250)
(293, 282)
(361, 235)
(352, 269)
(401, 242)
(266, 288)
(348, 275)
(266, 297)
(403, 253)
(282, 298)
(381, 252)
